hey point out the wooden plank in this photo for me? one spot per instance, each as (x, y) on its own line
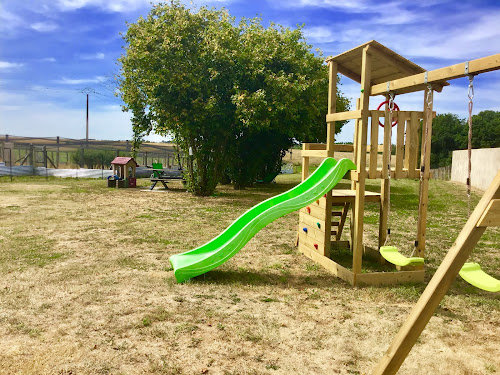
(315, 211)
(359, 207)
(437, 287)
(316, 146)
(343, 148)
(310, 221)
(404, 114)
(412, 145)
(400, 147)
(390, 278)
(477, 66)
(389, 60)
(313, 234)
(311, 243)
(349, 74)
(314, 153)
(491, 216)
(343, 116)
(373, 145)
(333, 267)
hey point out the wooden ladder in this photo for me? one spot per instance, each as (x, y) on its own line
(341, 214)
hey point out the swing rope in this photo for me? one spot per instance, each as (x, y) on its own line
(391, 106)
(429, 99)
(470, 94)
(391, 253)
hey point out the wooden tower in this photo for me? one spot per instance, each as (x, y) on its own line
(321, 224)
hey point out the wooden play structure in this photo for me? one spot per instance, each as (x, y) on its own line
(124, 169)
(380, 71)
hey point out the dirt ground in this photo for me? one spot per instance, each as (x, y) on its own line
(86, 288)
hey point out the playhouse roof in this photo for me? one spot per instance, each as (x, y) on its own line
(386, 65)
(123, 160)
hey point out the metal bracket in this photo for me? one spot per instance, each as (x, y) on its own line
(425, 77)
(466, 68)
(388, 86)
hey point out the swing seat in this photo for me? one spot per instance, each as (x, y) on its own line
(474, 275)
(392, 255)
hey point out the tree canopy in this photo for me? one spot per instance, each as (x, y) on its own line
(450, 133)
(236, 94)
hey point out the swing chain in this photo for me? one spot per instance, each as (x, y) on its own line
(470, 94)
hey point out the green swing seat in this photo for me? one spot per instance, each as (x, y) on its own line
(392, 255)
(474, 275)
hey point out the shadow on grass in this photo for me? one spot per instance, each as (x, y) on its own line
(245, 277)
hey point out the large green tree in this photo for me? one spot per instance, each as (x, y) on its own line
(449, 133)
(218, 87)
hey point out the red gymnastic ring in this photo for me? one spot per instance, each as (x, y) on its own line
(395, 107)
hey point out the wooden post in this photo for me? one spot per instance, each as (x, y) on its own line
(31, 158)
(438, 286)
(57, 154)
(305, 162)
(425, 162)
(332, 107)
(361, 163)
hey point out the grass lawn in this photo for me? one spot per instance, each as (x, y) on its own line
(86, 287)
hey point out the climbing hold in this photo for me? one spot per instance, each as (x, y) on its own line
(324, 195)
(317, 201)
(308, 209)
(316, 246)
(304, 229)
(319, 225)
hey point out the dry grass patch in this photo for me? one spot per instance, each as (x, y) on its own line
(86, 288)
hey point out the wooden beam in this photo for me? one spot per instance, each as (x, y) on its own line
(359, 207)
(478, 66)
(314, 153)
(349, 74)
(491, 216)
(342, 116)
(437, 287)
(332, 107)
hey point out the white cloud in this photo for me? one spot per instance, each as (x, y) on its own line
(322, 34)
(72, 81)
(9, 21)
(93, 56)
(44, 27)
(48, 59)
(5, 65)
(118, 6)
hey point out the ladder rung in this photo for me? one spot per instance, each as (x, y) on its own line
(337, 213)
(335, 223)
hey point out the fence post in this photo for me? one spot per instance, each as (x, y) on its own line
(44, 150)
(57, 155)
(31, 157)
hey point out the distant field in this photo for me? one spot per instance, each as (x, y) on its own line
(86, 287)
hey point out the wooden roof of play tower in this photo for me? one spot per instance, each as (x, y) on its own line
(386, 65)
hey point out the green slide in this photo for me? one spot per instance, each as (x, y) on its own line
(205, 258)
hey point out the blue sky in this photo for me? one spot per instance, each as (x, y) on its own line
(52, 50)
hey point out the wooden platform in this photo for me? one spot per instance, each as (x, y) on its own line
(348, 195)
